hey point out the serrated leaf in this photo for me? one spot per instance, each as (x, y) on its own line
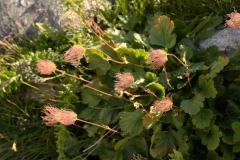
(136, 56)
(97, 61)
(213, 156)
(131, 122)
(91, 129)
(227, 137)
(184, 146)
(134, 146)
(212, 139)
(161, 33)
(236, 148)
(195, 67)
(192, 106)
(89, 97)
(129, 20)
(149, 121)
(217, 66)
(89, 114)
(107, 115)
(236, 128)
(151, 21)
(206, 87)
(163, 143)
(203, 118)
(176, 155)
(227, 152)
(175, 119)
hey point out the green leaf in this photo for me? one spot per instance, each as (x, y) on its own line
(136, 56)
(213, 156)
(134, 146)
(185, 54)
(227, 152)
(176, 155)
(149, 121)
(141, 39)
(236, 148)
(206, 87)
(236, 128)
(212, 139)
(97, 61)
(119, 36)
(151, 77)
(129, 20)
(208, 30)
(120, 143)
(176, 119)
(195, 67)
(157, 89)
(89, 114)
(193, 105)
(161, 33)
(203, 118)
(227, 136)
(89, 97)
(217, 66)
(151, 21)
(131, 122)
(163, 143)
(204, 21)
(181, 29)
(108, 115)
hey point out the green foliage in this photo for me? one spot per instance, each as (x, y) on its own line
(199, 119)
(131, 122)
(161, 33)
(212, 139)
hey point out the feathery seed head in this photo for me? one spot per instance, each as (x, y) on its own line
(74, 54)
(157, 58)
(161, 105)
(124, 81)
(234, 21)
(55, 115)
(46, 67)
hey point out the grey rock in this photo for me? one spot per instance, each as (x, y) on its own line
(226, 39)
(17, 16)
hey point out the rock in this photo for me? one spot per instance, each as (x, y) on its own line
(18, 16)
(226, 39)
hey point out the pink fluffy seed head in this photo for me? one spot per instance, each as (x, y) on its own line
(157, 58)
(124, 81)
(55, 115)
(74, 54)
(162, 105)
(234, 21)
(46, 67)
